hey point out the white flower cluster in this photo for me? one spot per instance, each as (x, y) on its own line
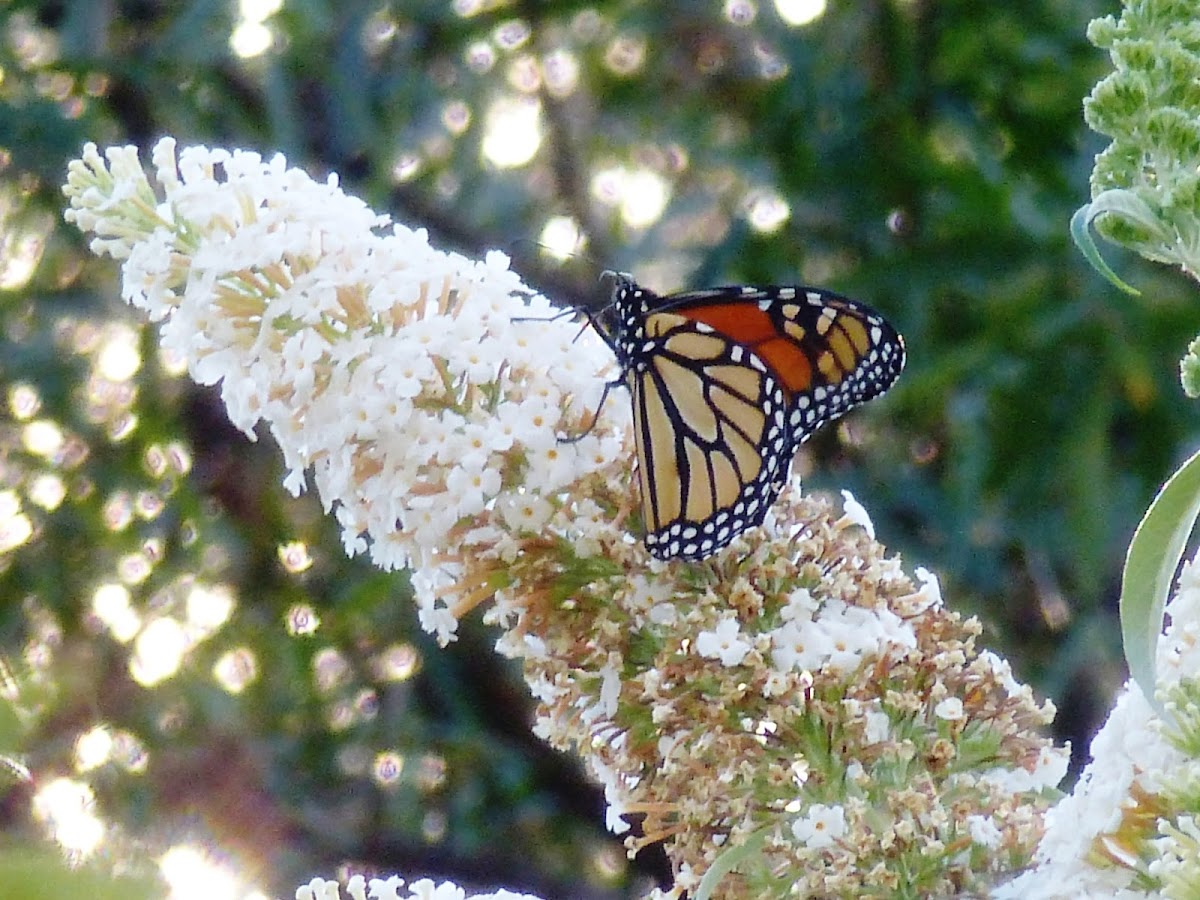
(424, 391)
(359, 888)
(1133, 761)
(837, 638)
(833, 637)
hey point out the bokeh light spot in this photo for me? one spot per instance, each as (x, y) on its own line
(251, 36)
(561, 237)
(644, 196)
(366, 705)
(433, 826)
(480, 57)
(155, 460)
(431, 772)
(511, 34)
(24, 401)
(180, 458)
(236, 670)
(388, 768)
(626, 54)
(119, 358)
(513, 132)
(330, 669)
(65, 808)
(209, 607)
(301, 620)
(467, 8)
(766, 211)
(294, 557)
(149, 505)
(341, 715)
(456, 117)
(47, 491)
(406, 167)
(93, 749)
(250, 39)
(158, 652)
(15, 527)
(560, 69)
(398, 662)
(43, 438)
(134, 568)
(193, 874)
(800, 12)
(129, 753)
(740, 12)
(117, 511)
(110, 604)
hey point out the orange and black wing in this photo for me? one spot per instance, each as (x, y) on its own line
(726, 383)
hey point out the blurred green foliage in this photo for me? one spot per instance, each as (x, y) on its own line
(928, 155)
(45, 875)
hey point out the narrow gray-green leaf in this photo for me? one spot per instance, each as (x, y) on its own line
(728, 861)
(1121, 203)
(1150, 565)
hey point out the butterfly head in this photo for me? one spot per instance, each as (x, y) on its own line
(621, 320)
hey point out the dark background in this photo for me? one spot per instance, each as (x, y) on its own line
(929, 154)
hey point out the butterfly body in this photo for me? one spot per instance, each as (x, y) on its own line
(726, 384)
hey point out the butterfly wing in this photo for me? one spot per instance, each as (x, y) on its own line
(829, 353)
(710, 425)
(726, 383)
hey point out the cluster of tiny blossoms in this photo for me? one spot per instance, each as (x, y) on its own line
(1147, 181)
(1131, 828)
(800, 690)
(796, 693)
(1148, 105)
(414, 385)
(359, 888)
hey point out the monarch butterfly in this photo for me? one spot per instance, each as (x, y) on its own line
(726, 384)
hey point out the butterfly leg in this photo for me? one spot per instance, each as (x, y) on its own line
(608, 386)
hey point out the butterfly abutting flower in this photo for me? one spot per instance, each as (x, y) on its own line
(726, 384)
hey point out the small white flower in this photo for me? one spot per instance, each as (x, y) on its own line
(425, 889)
(851, 638)
(984, 831)
(931, 591)
(525, 512)
(821, 826)
(724, 643)
(1001, 669)
(801, 606)
(553, 466)
(1105, 793)
(385, 888)
(799, 645)
(610, 690)
(614, 820)
(318, 889)
(857, 514)
(471, 488)
(879, 726)
(434, 616)
(950, 709)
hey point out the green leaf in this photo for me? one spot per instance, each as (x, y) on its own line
(728, 861)
(1150, 565)
(34, 872)
(1121, 203)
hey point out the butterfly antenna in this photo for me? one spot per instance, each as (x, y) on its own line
(569, 311)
